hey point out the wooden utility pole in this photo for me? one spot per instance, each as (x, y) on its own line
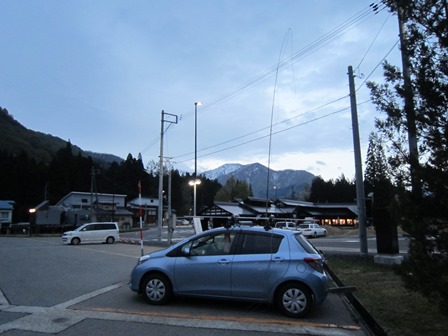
(360, 194)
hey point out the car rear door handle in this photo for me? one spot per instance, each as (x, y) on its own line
(224, 261)
(278, 259)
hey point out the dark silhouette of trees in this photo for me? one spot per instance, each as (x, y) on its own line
(22, 180)
(233, 189)
(332, 191)
(29, 183)
(67, 172)
(415, 107)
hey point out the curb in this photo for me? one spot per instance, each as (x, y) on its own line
(368, 319)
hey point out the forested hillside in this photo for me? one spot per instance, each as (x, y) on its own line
(15, 138)
(35, 167)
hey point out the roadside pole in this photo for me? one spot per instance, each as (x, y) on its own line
(141, 222)
(360, 194)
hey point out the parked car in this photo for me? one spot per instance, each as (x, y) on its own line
(287, 226)
(312, 230)
(98, 232)
(182, 222)
(239, 263)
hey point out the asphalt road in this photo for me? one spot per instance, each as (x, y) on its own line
(348, 243)
(50, 288)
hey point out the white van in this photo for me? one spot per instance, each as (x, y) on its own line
(99, 232)
(287, 226)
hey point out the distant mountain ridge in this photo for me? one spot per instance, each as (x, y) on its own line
(287, 183)
(15, 138)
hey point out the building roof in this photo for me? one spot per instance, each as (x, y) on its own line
(88, 194)
(145, 201)
(227, 209)
(257, 207)
(7, 205)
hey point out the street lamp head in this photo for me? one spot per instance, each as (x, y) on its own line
(198, 103)
(194, 182)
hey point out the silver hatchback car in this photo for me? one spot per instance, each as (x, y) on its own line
(238, 263)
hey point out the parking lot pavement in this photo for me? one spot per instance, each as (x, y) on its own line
(110, 308)
(94, 309)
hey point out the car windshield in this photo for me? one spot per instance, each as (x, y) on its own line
(305, 244)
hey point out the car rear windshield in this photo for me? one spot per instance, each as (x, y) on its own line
(305, 244)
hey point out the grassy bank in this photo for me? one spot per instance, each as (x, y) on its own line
(381, 291)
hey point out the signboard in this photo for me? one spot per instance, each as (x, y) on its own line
(197, 225)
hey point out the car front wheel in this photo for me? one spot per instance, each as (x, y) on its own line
(76, 241)
(294, 300)
(157, 289)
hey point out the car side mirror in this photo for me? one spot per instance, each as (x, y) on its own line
(186, 251)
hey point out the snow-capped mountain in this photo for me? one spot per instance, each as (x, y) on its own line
(225, 169)
(282, 184)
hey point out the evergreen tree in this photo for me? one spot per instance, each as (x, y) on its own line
(419, 111)
(339, 191)
(318, 191)
(232, 190)
(376, 163)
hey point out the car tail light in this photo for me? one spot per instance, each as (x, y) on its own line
(315, 263)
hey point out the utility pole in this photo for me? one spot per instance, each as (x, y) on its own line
(93, 188)
(170, 217)
(171, 118)
(360, 194)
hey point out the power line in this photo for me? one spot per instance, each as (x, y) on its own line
(325, 39)
(273, 133)
(373, 41)
(263, 129)
(376, 67)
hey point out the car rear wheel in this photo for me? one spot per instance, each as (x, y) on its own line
(110, 240)
(294, 300)
(76, 241)
(157, 289)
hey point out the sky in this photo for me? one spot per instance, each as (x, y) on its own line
(271, 76)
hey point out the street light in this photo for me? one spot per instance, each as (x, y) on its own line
(196, 181)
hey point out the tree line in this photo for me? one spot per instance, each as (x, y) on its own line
(28, 182)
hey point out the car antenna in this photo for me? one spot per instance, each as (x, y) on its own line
(269, 223)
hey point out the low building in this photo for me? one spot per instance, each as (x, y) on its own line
(335, 214)
(77, 208)
(6, 210)
(145, 207)
(258, 211)
(84, 207)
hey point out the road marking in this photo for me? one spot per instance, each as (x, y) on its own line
(224, 318)
(3, 301)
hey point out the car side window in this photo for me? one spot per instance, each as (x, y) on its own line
(260, 243)
(219, 244)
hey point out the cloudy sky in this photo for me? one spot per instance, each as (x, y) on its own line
(272, 76)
